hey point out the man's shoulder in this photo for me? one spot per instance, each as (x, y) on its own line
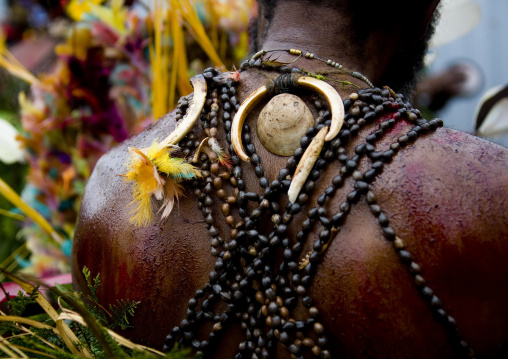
(449, 181)
(468, 144)
(447, 152)
(463, 157)
(106, 186)
(115, 159)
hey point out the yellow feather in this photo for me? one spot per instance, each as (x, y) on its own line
(179, 170)
(146, 179)
(153, 150)
(173, 190)
(144, 169)
(142, 212)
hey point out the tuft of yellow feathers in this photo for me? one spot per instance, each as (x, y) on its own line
(155, 173)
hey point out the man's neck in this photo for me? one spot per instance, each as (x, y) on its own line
(326, 32)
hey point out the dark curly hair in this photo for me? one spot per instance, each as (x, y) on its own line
(372, 15)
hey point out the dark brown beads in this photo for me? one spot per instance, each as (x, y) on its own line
(242, 273)
(230, 220)
(221, 193)
(225, 208)
(217, 183)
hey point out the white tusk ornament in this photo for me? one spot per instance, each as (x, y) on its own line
(306, 164)
(238, 120)
(192, 115)
(332, 96)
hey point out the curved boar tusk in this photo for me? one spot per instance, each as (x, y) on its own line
(333, 98)
(306, 163)
(192, 115)
(238, 120)
(199, 149)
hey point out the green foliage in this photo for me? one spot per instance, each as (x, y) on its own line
(95, 310)
(93, 337)
(118, 313)
(14, 175)
(18, 304)
(96, 283)
(87, 339)
(34, 343)
(121, 312)
(11, 87)
(115, 350)
(175, 353)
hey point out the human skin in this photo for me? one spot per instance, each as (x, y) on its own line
(446, 196)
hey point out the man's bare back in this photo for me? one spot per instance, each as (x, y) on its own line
(375, 293)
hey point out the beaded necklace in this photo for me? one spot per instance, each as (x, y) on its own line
(257, 61)
(258, 292)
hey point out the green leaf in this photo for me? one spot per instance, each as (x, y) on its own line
(18, 304)
(121, 312)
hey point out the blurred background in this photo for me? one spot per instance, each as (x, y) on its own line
(79, 76)
(473, 35)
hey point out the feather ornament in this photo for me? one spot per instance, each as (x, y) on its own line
(274, 62)
(222, 157)
(155, 173)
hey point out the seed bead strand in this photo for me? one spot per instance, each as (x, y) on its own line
(386, 156)
(188, 143)
(300, 287)
(207, 201)
(257, 61)
(204, 202)
(261, 250)
(318, 213)
(266, 280)
(250, 223)
(243, 274)
(405, 255)
(339, 151)
(182, 106)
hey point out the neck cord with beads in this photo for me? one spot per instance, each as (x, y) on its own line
(244, 275)
(257, 60)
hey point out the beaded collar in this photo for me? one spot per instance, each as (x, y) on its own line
(259, 292)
